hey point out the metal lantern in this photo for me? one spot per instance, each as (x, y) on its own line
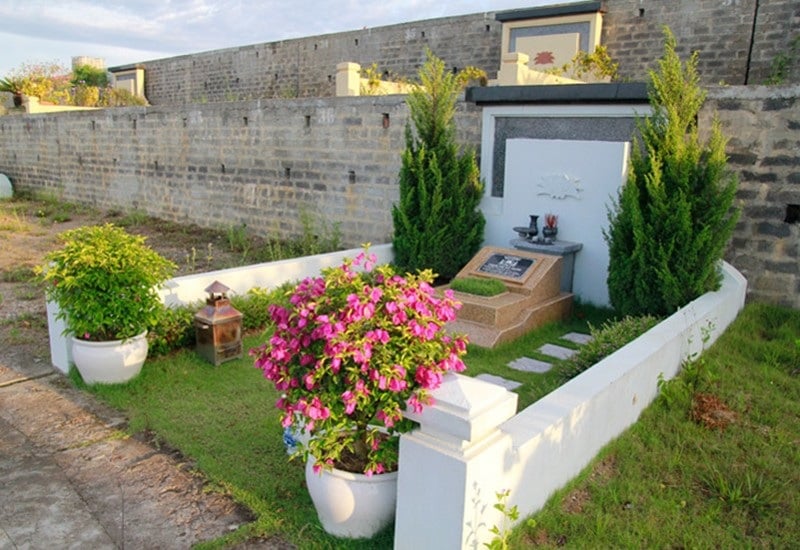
(218, 327)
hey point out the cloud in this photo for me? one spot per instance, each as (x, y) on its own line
(124, 31)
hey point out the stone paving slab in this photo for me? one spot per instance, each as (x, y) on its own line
(578, 338)
(526, 364)
(500, 381)
(71, 479)
(39, 506)
(559, 352)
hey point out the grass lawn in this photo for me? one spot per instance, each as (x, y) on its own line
(670, 482)
(666, 482)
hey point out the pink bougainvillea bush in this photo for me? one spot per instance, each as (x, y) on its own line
(356, 347)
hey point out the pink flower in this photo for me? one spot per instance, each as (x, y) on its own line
(353, 345)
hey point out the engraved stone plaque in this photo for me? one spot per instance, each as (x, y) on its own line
(506, 265)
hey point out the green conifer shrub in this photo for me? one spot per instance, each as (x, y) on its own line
(674, 216)
(437, 223)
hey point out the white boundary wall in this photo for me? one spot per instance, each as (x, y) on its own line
(469, 446)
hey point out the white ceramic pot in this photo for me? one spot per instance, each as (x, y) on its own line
(109, 362)
(352, 505)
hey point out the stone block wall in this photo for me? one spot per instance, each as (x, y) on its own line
(260, 163)
(306, 67)
(721, 30)
(763, 124)
(263, 163)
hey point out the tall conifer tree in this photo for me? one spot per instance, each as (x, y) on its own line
(674, 215)
(437, 223)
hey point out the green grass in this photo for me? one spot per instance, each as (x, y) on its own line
(669, 482)
(666, 482)
(223, 419)
(479, 287)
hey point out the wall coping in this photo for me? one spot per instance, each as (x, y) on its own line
(548, 11)
(612, 92)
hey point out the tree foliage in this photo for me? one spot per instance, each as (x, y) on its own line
(89, 76)
(674, 215)
(437, 223)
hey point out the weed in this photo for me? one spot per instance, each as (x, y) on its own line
(18, 274)
(696, 375)
(510, 515)
(209, 253)
(132, 218)
(782, 63)
(14, 222)
(238, 241)
(191, 260)
(753, 492)
(28, 292)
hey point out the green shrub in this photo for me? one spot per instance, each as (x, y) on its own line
(478, 286)
(86, 96)
(175, 326)
(437, 223)
(610, 337)
(105, 282)
(254, 305)
(674, 215)
(119, 97)
(174, 329)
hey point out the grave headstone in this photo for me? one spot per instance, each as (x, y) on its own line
(534, 296)
(6, 189)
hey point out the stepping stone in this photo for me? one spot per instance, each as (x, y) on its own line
(500, 381)
(578, 338)
(558, 352)
(526, 364)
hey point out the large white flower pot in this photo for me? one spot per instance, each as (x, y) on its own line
(109, 362)
(352, 505)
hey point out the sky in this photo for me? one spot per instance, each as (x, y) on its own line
(123, 32)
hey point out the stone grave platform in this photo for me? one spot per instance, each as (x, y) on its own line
(533, 296)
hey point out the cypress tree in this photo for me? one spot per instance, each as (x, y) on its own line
(437, 222)
(674, 215)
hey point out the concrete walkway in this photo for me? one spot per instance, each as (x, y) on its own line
(70, 478)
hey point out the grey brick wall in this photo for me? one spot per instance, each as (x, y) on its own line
(721, 30)
(306, 67)
(264, 162)
(261, 163)
(763, 124)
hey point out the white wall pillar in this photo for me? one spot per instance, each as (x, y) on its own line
(348, 79)
(452, 467)
(60, 346)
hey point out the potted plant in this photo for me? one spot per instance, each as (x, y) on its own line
(355, 347)
(105, 282)
(13, 85)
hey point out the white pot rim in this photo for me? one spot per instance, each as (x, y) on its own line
(108, 342)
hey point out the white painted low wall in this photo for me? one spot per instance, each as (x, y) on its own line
(191, 288)
(454, 464)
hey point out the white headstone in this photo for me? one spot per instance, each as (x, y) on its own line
(575, 180)
(6, 190)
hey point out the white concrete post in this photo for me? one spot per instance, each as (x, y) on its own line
(513, 69)
(452, 467)
(348, 79)
(60, 346)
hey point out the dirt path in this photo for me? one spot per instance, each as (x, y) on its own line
(63, 453)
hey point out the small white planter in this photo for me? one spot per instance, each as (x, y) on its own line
(352, 505)
(109, 362)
